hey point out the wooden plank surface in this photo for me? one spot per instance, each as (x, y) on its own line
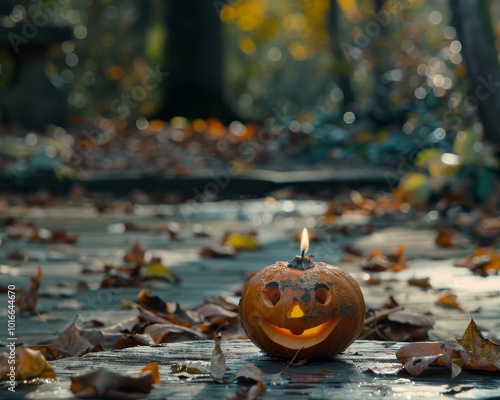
(367, 369)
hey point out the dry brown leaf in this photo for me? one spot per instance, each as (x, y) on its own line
(396, 324)
(415, 357)
(483, 260)
(218, 362)
(217, 250)
(118, 280)
(29, 364)
(448, 299)
(424, 283)
(170, 311)
(191, 368)
(377, 260)
(481, 353)
(105, 383)
(472, 351)
(248, 393)
(71, 342)
(444, 237)
(132, 340)
(249, 373)
(215, 315)
(28, 301)
(64, 237)
(136, 254)
(153, 303)
(152, 367)
(326, 372)
(168, 333)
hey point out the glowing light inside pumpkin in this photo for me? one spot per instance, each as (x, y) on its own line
(295, 312)
(303, 338)
(304, 243)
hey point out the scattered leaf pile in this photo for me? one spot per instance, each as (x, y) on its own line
(378, 261)
(483, 261)
(30, 232)
(471, 351)
(139, 267)
(157, 322)
(394, 323)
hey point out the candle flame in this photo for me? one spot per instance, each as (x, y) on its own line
(304, 243)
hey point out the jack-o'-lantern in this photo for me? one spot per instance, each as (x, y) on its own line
(300, 308)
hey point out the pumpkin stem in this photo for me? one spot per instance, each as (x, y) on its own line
(301, 263)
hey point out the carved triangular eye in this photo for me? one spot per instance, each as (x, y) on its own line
(272, 293)
(322, 293)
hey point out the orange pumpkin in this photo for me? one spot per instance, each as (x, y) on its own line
(315, 307)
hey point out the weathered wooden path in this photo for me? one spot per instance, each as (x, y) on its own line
(367, 369)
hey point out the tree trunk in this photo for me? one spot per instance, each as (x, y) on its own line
(471, 19)
(193, 88)
(342, 68)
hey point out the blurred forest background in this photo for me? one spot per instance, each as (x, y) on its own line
(405, 75)
(306, 59)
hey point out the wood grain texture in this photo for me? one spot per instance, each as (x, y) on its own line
(367, 369)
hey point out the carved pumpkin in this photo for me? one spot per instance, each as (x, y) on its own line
(315, 307)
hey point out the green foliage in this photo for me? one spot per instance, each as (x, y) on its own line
(469, 175)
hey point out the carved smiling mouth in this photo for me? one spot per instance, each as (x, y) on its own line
(300, 339)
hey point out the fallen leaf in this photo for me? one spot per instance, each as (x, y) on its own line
(191, 368)
(424, 283)
(448, 299)
(119, 280)
(249, 373)
(444, 237)
(483, 260)
(168, 333)
(248, 393)
(458, 389)
(28, 301)
(377, 260)
(29, 364)
(152, 367)
(416, 357)
(64, 237)
(106, 383)
(215, 314)
(71, 342)
(15, 255)
(396, 324)
(472, 351)
(218, 251)
(482, 353)
(241, 241)
(129, 340)
(326, 372)
(136, 254)
(218, 362)
(156, 270)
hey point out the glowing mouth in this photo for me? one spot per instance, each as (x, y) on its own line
(303, 339)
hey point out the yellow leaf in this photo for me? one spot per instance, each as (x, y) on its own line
(28, 364)
(158, 270)
(414, 188)
(242, 242)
